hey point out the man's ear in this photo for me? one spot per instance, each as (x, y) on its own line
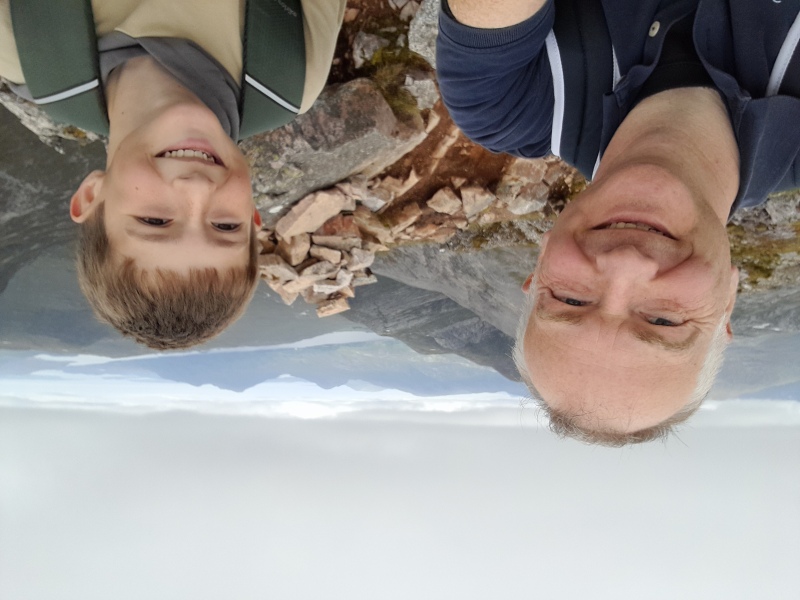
(84, 201)
(527, 285)
(731, 300)
(257, 218)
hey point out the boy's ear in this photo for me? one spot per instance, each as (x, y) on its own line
(257, 218)
(84, 200)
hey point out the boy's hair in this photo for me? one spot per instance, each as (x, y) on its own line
(161, 309)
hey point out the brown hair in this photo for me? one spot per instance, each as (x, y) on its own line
(161, 309)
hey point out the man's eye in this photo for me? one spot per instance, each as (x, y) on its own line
(153, 222)
(227, 226)
(573, 302)
(661, 322)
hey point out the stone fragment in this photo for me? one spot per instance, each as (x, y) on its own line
(397, 187)
(323, 269)
(458, 181)
(295, 249)
(273, 266)
(326, 254)
(363, 278)
(348, 292)
(433, 120)
(370, 224)
(377, 247)
(459, 222)
(351, 14)
(341, 226)
(333, 307)
(311, 212)
(343, 279)
(406, 217)
(435, 233)
(475, 199)
(530, 198)
(398, 4)
(554, 172)
(337, 242)
(409, 10)
(312, 297)
(265, 239)
(279, 288)
(522, 188)
(365, 45)
(445, 201)
(301, 283)
(360, 259)
(424, 91)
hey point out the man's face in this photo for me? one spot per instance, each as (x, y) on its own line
(631, 285)
(177, 195)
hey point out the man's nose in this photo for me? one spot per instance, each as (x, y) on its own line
(624, 269)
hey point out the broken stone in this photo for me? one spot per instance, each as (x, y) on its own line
(554, 171)
(397, 187)
(311, 212)
(365, 45)
(341, 226)
(368, 223)
(343, 279)
(376, 247)
(323, 269)
(348, 292)
(424, 91)
(360, 259)
(295, 249)
(445, 201)
(475, 199)
(458, 181)
(459, 222)
(529, 198)
(363, 278)
(398, 4)
(301, 284)
(433, 120)
(405, 218)
(350, 15)
(435, 233)
(278, 287)
(409, 10)
(326, 254)
(333, 307)
(337, 242)
(273, 266)
(312, 297)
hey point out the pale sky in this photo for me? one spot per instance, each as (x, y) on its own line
(381, 505)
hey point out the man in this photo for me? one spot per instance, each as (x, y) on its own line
(681, 112)
(168, 251)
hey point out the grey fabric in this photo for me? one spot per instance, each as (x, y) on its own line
(187, 62)
(192, 66)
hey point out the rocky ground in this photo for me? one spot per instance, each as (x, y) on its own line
(377, 178)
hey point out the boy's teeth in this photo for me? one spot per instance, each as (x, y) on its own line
(190, 154)
(640, 226)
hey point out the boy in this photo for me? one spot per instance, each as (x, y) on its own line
(168, 246)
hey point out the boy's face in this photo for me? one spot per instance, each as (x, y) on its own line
(177, 195)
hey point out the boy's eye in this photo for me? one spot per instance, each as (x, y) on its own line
(154, 222)
(227, 226)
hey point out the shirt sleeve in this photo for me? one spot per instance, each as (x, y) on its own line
(497, 84)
